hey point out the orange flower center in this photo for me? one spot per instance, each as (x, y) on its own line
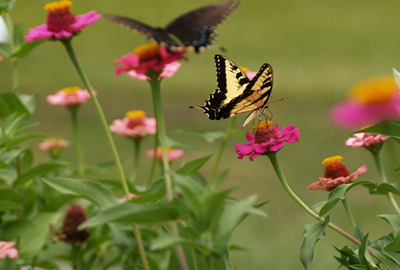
(376, 90)
(148, 52)
(334, 168)
(159, 150)
(136, 118)
(264, 132)
(71, 90)
(59, 17)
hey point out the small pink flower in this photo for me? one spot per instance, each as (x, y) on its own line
(171, 153)
(69, 96)
(266, 139)
(131, 195)
(149, 58)
(53, 143)
(365, 139)
(371, 101)
(134, 125)
(336, 174)
(6, 250)
(61, 23)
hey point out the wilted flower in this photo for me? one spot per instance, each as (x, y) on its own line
(335, 175)
(7, 250)
(266, 139)
(135, 125)
(150, 58)
(373, 100)
(61, 23)
(69, 96)
(171, 153)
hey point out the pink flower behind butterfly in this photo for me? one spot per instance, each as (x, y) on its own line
(69, 96)
(7, 250)
(171, 153)
(135, 125)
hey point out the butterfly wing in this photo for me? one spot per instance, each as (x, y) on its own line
(158, 34)
(197, 28)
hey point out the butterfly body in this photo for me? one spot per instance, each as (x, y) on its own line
(236, 93)
(195, 29)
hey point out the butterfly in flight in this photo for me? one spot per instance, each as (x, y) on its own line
(195, 29)
(236, 93)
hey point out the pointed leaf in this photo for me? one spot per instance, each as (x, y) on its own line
(394, 222)
(39, 170)
(193, 166)
(388, 128)
(168, 240)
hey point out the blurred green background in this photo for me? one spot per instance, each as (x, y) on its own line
(318, 49)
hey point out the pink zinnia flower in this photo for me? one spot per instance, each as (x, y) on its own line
(131, 195)
(53, 143)
(61, 23)
(150, 58)
(6, 250)
(134, 125)
(365, 139)
(371, 101)
(171, 153)
(69, 96)
(335, 175)
(266, 139)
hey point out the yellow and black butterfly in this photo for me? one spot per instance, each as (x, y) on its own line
(236, 93)
(194, 29)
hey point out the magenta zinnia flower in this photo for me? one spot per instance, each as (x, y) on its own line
(61, 23)
(6, 250)
(266, 139)
(171, 153)
(135, 125)
(371, 101)
(69, 96)
(150, 58)
(335, 175)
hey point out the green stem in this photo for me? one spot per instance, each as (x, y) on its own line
(154, 162)
(14, 60)
(136, 152)
(140, 246)
(15, 74)
(382, 175)
(282, 179)
(71, 53)
(75, 256)
(349, 213)
(77, 141)
(221, 150)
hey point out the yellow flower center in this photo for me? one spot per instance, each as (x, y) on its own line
(159, 150)
(135, 114)
(54, 6)
(332, 159)
(244, 69)
(71, 90)
(375, 90)
(262, 125)
(148, 52)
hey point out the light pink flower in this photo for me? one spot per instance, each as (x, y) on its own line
(371, 101)
(53, 143)
(365, 139)
(135, 125)
(61, 23)
(266, 139)
(6, 250)
(149, 58)
(171, 153)
(131, 195)
(336, 174)
(69, 96)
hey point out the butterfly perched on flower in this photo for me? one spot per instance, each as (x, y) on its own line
(236, 93)
(195, 29)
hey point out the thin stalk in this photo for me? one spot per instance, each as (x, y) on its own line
(282, 179)
(221, 150)
(71, 53)
(75, 256)
(382, 175)
(140, 246)
(136, 152)
(15, 74)
(77, 140)
(349, 213)
(14, 60)
(154, 162)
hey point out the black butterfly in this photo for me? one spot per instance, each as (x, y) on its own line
(236, 93)
(194, 29)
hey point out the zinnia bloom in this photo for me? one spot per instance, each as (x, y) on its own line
(69, 96)
(266, 139)
(150, 58)
(6, 250)
(61, 23)
(365, 139)
(335, 175)
(171, 153)
(371, 101)
(53, 143)
(134, 125)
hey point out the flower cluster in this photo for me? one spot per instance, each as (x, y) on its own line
(69, 96)
(135, 125)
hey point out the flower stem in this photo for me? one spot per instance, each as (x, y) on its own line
(382, 175)
(77, 141)
(136, 152)
(140, 246)
(221, 150)
(282, 179)
(75, 256)
(349, 213)
(71, 53)
(154, 162)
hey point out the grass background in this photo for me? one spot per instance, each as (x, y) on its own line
(318, 49)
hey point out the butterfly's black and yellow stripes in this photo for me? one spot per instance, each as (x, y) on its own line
(236, 93)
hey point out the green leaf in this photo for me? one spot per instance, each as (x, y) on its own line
(388, 128)
(312, 234)
(20, 138)
(175, 144)
(219, 180)
(208, 136)
(38, 170)
(193, 166)
(7, 6)
(5, 50)
(26, 47)
(394, 222)
(392, 250)
(10, 103)
(89, 190)
(363, 254)
(134, 213)
(9, 205)
(168, 240)
(18, 34)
